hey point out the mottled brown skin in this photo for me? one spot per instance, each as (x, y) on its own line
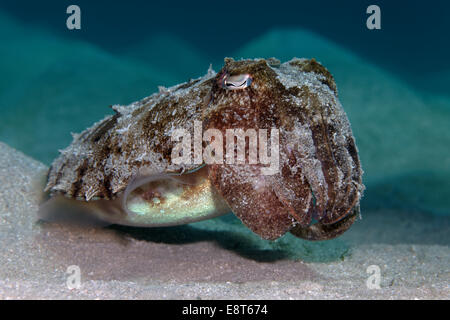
(270, 205)
(102, 163)
(269, 212)
(313, 66)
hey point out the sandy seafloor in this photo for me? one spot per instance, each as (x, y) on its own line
(216, 259)
(51, 86)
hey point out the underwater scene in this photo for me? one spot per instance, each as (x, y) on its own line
(117, 118)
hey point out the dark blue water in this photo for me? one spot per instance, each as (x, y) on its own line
(413, 40)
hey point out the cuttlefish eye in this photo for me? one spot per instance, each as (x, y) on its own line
(236, 82)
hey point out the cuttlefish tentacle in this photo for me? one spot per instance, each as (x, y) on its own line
(252, 199)
(320, 231)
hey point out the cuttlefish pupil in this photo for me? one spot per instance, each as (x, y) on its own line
(236, 82)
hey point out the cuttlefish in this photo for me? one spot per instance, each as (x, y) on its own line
(268, 141)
